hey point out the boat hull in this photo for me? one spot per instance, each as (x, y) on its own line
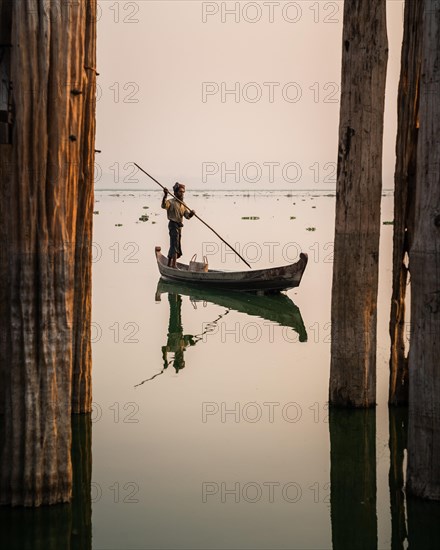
(274, 279)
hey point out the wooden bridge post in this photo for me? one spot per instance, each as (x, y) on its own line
(46, 195)
(423, 479)
(358, 196)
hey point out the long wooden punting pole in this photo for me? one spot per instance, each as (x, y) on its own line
(198, 217)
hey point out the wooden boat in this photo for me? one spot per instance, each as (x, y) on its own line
(278, 308)
(273, 279)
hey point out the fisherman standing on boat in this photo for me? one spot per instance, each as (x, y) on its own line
(175, 211)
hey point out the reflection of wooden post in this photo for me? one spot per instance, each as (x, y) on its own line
(82, 479)
(358, 195)
(66, 526)
(404, 190)
(423, 524)
(398, 424)
(424, 264)
(46, 192)
(43, 528)
(353, 479)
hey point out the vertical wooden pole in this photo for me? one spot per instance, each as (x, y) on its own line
(5, 161)
(358, 195)
(423, 479)
(42, 170)
(404, 190)
(82, 351)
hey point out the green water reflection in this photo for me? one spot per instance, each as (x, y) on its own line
(398, 425)
(423, 517)
(353, 485)
(353, 478)
(277, 308)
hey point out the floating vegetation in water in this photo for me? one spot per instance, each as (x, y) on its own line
(118, 224)
(293, 217)
(144, 218)
(250, 218)
(96, 211)
(310, 228)
(388, 223)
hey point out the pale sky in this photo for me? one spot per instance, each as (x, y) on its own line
(226, 95)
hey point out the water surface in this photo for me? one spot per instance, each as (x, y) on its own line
(210, 426)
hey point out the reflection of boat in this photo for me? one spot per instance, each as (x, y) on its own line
(173, 352)
(273, 279)
(277, 308)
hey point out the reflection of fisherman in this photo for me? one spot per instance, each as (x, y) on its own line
(177, 342)
(175, 211)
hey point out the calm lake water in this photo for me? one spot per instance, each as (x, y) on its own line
(210, 426)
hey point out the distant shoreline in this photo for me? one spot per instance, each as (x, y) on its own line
(244, 192)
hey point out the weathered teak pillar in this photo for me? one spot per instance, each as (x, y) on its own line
(46, 194)
(358, 195)
(423, 477)
(82, 351)
(404, 189)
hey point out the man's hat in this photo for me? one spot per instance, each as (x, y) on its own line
(178, 186)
